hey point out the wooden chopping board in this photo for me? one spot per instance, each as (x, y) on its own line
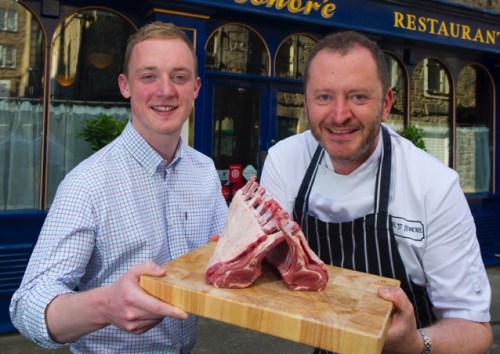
(347, 317)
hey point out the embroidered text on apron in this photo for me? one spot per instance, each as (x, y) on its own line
(366, 244)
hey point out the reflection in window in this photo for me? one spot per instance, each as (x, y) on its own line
(8, 16)
(291, 115)
(398, 83)
(87, 54)
(7, 56)
(236, 127)
(430, 107)
(474, 132)
(237, 49)
(21, 91)
(292, 55)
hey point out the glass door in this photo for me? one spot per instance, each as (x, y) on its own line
(236, 135)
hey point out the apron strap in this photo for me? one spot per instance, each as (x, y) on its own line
(307, 182)
(383, 182)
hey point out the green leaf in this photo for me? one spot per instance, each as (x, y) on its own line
(415, 135)
(101, 130)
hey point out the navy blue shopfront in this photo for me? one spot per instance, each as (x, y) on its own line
(445, 65)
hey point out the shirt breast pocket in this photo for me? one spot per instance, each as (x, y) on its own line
(196, 225)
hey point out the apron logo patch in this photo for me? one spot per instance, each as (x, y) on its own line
(413, 230)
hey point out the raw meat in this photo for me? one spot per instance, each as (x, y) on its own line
(257, 229)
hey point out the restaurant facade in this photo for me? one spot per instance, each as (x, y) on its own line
(59, 62)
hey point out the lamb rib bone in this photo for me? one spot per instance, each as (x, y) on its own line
(257, 229)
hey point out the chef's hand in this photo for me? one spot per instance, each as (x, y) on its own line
(402, 336)
(215, 238)
(131, 308)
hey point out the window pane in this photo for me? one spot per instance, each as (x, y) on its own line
(399, 88)
(291, 116)
(292, 56)
(474, 134)
(87, 55)
(235, 129)
(20, 107)
(237, 49)
(430, 107)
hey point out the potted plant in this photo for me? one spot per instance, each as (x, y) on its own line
(415, 135)
(100, 130)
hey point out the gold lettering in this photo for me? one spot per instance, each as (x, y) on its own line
(455, 30)
(398, 20)
(466, 33)
(328, 10)
(311, 5)
(295, 6)
(491, 37)
(324, 7)
(410, 22)
(433, 23)
(443, 30)
(479, 36)
(422, 24)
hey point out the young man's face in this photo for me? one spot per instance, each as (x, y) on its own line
(345, 105)
(162, 87)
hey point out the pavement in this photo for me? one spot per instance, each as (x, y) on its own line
(220, 338)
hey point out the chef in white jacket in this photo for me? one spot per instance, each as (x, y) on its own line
(369, 200)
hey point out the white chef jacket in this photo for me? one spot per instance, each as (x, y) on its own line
(432, 222)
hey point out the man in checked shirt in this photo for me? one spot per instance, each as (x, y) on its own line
(142, 200)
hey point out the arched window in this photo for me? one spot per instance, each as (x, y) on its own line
(430, 106)
(87, 55)
(474, 130)
(292, 55)
(399, 84)
(22, 54)
(237, 49)
(289, 63)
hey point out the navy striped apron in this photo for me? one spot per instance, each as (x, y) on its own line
(366, 244)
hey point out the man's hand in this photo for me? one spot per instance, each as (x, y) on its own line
(402, 336)
(124, 304)
(130, 308)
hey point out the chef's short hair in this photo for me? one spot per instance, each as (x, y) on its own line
(343, 42)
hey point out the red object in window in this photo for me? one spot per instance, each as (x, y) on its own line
(235, 173)
(226, 192)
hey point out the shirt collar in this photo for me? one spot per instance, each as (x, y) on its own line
(145, 155)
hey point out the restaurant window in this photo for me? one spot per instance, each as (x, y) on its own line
(237, 49)
(291, 115)
(399, 84)
(474, 130)
(87, 55)
(430, 107)
(292, 55)
(21, 92)
(290, 62)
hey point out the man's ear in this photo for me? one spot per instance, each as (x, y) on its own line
(388, 101)
(123, 85)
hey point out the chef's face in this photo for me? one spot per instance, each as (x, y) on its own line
(345, 105)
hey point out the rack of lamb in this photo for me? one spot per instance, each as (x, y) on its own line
(257, 229)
